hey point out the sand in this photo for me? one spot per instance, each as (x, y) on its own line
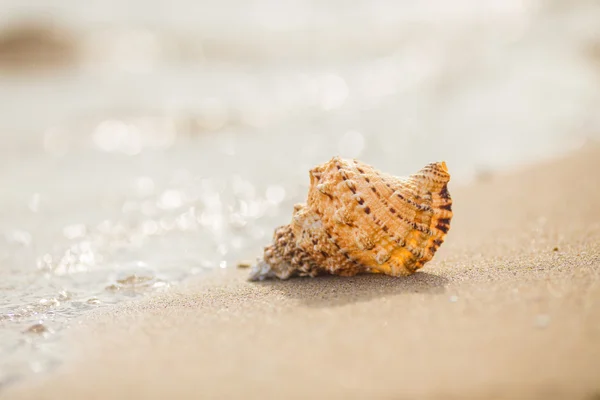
(509, 308)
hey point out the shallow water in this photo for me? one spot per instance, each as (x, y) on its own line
(172, 143)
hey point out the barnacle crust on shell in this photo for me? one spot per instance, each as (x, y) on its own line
(357, 219)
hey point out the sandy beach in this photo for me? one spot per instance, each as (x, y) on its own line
(508, 308)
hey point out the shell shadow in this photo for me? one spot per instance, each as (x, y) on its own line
(333, 291)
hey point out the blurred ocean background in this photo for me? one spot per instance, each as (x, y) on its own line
(145, 142)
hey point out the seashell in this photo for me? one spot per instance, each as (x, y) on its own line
(359, 220)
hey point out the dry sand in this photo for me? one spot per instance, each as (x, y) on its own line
(509, 308)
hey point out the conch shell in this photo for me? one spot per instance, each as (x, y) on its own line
(358, 220)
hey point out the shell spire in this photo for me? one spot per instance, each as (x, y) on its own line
(359, 220)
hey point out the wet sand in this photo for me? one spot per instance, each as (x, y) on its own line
(508, 308)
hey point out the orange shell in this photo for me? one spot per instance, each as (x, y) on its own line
(357, 219)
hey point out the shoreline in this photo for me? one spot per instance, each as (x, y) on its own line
(508, 307)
